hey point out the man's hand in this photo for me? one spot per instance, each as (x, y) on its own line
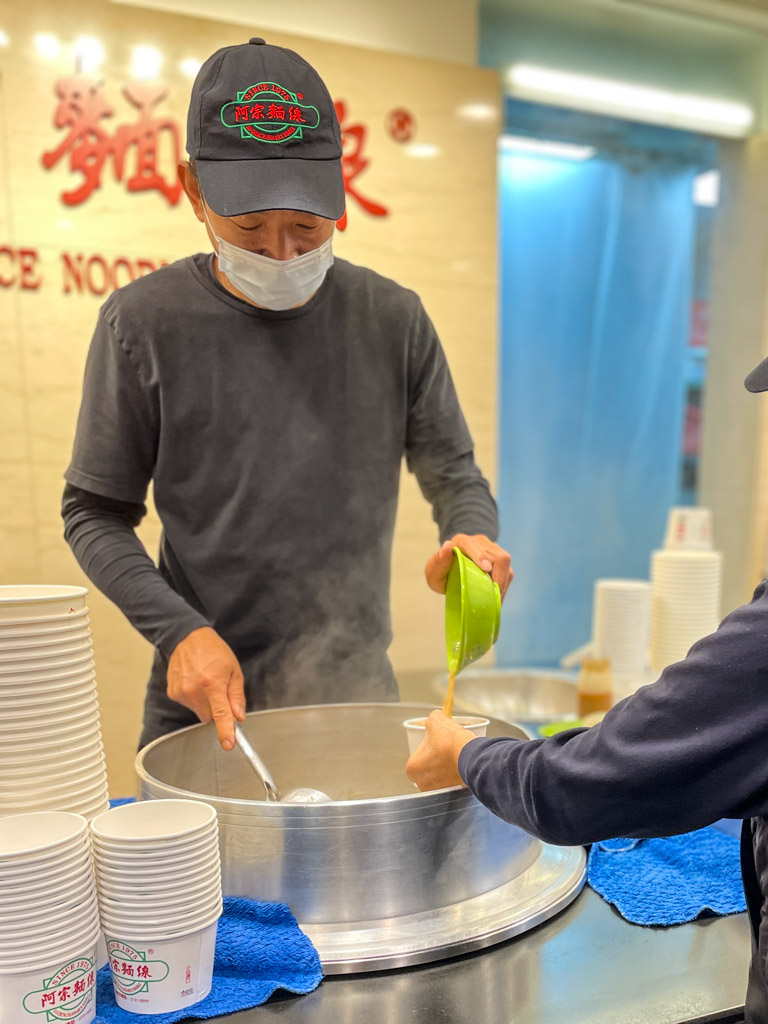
(435, 762)
(483, 552)
(205, 676)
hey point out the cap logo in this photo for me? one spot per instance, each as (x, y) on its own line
(270, 113)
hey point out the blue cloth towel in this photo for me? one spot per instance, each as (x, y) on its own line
(669, 881)
(259, 948)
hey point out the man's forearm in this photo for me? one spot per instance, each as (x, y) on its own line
(460, 497)
(101, 534)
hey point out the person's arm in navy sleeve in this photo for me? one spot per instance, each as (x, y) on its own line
(675, 756)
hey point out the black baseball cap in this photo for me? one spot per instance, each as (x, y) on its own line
(757, 380)
(263, 132)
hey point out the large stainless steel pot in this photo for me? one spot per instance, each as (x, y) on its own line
(379, 851)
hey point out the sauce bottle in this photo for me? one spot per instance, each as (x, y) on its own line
(595, 686)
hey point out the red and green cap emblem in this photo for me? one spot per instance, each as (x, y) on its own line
(270, 113)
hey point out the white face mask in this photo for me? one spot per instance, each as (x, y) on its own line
(274, 284)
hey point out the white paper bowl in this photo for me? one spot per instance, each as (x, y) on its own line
(119, 872)
(57, 625)
(186, 846)
(153, 819)
(25, 835)
(185, 976)
(34, 602)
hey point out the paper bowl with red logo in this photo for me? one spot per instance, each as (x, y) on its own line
(160, 975)
(21, 603)
(61, 987)
(48, 934)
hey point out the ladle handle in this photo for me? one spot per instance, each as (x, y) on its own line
(256, 763)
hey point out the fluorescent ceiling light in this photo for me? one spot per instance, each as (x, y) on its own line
(545, 147)
(706, 188)
(4, 38)
(47, 45)
(637, 102)
(478, 111)
(146, 62)
(89, 54)
(190, 66)
(422, 150)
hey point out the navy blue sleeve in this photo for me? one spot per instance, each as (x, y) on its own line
(675, 756)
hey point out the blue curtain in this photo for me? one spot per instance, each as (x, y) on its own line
(596, 281)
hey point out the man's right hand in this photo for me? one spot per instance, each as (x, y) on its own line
(205, 676)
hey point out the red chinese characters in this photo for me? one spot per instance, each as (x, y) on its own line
(82, 109)
(353, 163)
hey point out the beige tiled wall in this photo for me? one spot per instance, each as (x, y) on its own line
(439, 239)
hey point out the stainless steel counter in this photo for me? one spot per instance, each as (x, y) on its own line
(586, 966)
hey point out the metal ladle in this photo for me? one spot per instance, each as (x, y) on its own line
(300, 795)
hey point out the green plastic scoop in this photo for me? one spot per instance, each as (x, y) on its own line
(472, 612)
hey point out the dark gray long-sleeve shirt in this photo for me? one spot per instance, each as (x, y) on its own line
(274, 442)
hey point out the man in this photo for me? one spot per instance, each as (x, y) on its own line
(269, 392)
(675, 756)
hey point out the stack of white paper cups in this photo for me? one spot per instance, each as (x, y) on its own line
(51, 755)
(685, 602)
(159, 882)
(620, 630)
(49, 921)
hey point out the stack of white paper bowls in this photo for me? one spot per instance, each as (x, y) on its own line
(158, 875)
(51, 754)
(620, 630)
(685, 606)
(49, 921)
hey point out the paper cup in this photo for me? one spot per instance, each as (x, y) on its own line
(64, 989)
(162, 976)
(689, 528)
(416, 727)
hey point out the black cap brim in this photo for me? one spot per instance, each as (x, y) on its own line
(758, 380)
(234, 187)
